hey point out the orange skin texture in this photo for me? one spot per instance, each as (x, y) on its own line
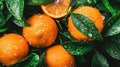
(93, 14)
(13, 48)
(57, 56)
(42, 31)
(57, 9)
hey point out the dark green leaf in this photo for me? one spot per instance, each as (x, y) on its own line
(41, 53)
(118, 0)
(39, 2)
(42, 60)
(1, 5)
(112, 25)
(31, 61)
(15, 7)
(1, 0)
(99, 60)
(113, 46)
(101, 7)
(21, 23)
(113, 39)
(83, 2)
(3, 29)
(115, 29)
(1, 65)
(86, 26)
(113, 50)
(67, 36)
(109, 7)
(2, 19)
(80, 59)
(115, 5)
(7, 16)
(78, 48)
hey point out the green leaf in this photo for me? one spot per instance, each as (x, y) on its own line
(99, 60)
(83, 2)
(86, 26)
(80, 59)
(115, 29)
(112, 25)
(39, 2)
(1, 65)
(1, 5)
(42, 60)
(31, 61)
(118, 0)
(109, 7)
(7, 15)
(15, 7)
(113, 50)
(78, 48)
(66, 35)
(21, 23)
(113, 39)
(112, 46)
(1, 0)
(3, 29)
(41, 53)
(101, 7)
(2, 19)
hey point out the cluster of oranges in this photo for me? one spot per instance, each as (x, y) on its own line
(42, 33)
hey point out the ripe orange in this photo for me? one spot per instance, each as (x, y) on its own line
(13, 48)
(57, 9)
(42, 32)
(93, 14)
(57, 56)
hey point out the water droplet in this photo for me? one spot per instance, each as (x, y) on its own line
(29, 39)
(77, 23)
(77, 49)
(15, 47)
(90, 34)
(65, 55)
(65, 46)
(84, 21)
(103, 17)
(82, 29)
(58, 58)
(95, 17)
(85, 28)
(89, 1)
(71, 62)
(15, 54)
(81, 17)
(69, 47)
(31, 64)
(21, 41)
(41, 23)
(8, 52)
(109, 24)
(43, 41)
(66, 65)
(116, 52)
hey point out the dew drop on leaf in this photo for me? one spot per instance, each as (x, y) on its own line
(90, 34)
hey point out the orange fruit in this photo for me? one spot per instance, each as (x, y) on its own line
(57, 56)
(93, 14)
(57, 9)
(42, 31)
(13, 48)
